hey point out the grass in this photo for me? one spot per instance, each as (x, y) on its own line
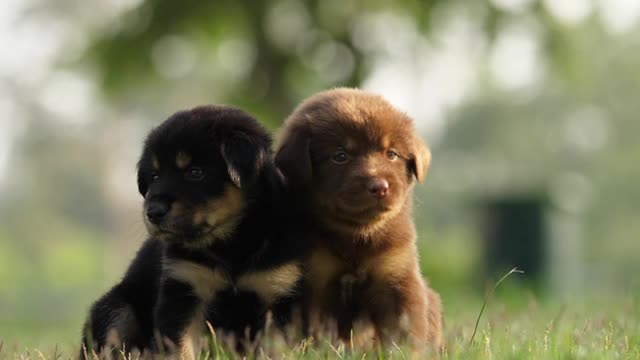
(539, 330)
(486, 300)
(516, 325)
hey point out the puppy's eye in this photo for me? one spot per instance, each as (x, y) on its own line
(195, 174)
(155, 176)
(392, 155)
(340, 156)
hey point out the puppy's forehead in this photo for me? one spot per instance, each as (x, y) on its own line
(182, 157)
(356, 127)
(358, 109)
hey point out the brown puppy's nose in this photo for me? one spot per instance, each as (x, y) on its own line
(378, 187)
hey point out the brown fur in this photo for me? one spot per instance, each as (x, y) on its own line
(364, 264)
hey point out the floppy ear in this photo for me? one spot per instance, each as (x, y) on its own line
(421, 159)
(244, 157)
(143, 187)
(293, 158)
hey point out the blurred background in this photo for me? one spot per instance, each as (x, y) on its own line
(530, 108)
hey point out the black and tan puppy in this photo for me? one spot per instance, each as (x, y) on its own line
(352, 158)
(215, 252)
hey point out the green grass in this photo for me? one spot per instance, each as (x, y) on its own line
(513, 326)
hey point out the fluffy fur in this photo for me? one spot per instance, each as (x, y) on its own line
(215, 252)
(351, 160)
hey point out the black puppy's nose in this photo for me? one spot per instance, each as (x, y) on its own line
(156, 211)
(378, 187)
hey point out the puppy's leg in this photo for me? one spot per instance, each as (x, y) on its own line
(422, 308)
(348, 306)
(291, 317)
(403, 306)
(239, 313)
(111, 323)
(291, 311)
(324, 303)
(385, 310)
(329, 315)
(282, 312)
(123, 316)
(177, 310)
(345, 325)
(434, 318)
(414, 306)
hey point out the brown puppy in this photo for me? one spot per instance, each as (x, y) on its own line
(350, 159)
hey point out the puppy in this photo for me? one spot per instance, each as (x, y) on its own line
(350, 158)
(215, 250)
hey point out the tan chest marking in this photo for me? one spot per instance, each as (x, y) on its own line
(272, 283)
(268, 284)
(204, 281)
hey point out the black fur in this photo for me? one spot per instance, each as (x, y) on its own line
(136, 292)
(233, 150)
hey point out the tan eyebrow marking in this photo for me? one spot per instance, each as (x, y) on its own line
(155, 163)
(350, 144)
(182, 159)
(386, 141)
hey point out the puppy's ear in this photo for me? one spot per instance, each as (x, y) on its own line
(143, 187)
(293, 158)
(420, 160)
(245, 158)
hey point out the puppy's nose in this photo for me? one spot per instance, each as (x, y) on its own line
(378, 187)
(156, 211)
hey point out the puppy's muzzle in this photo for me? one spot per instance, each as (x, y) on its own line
(378, 187)
(157, 211)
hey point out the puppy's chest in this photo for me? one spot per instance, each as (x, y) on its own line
(328, 269)
(208, 282)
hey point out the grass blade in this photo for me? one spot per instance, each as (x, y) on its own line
(486, 300)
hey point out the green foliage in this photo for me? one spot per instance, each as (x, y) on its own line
(283, 37)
